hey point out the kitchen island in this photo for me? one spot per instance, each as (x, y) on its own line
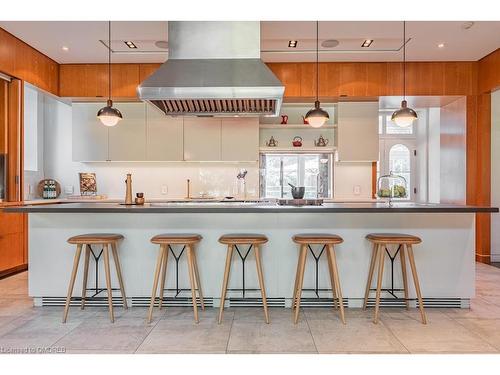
(445, 259)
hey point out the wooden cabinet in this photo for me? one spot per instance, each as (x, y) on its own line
(12, 246)
(165, 136)
(202, 139)
(90, 136)
(127, 140)
(240, 139)
(358, 138)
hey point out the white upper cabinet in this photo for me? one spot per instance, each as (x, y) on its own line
(90, 136)
(127, 140)
(240, 139)
(165, 138)
(202, 139)
(358, 138)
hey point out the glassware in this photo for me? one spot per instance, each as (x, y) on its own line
(392, 186)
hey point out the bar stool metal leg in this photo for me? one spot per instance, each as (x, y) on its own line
(303, 258)
(373, 261)
(405, 276)
(261, 282)
(192, 281)
(72, 280)
(380, 256)
(227, 270)
(417, 284)
(163, 271)
(155, 281)
(197, 279)
(85, 276)
(108, 283)
(119, 274)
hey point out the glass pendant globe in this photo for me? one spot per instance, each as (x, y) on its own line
(317, 117)
(404, 116)
(108, 115)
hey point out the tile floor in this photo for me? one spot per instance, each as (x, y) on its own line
(475, 330)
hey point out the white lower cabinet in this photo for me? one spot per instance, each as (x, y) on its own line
(165, 136)
(127, 140)
(89, 135)
(202, 139)
(358, 138)
(240, 139)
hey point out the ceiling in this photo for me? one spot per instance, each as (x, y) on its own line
(84, 40)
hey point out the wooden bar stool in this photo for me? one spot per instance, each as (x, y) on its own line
(189, 241)
(106, 240)
(328, 241)
(232, 241)
(404, 243)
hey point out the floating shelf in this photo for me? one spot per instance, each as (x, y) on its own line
(295, 126)
(298, 150)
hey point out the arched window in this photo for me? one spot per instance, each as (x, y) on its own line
(400, 162)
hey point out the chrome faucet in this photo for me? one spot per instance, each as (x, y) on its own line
(241, 177)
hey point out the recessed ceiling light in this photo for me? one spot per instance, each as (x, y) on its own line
(292, 43)
(130, 44)
(64, 48)
(441, 45)
(367, 43)
(330, 43)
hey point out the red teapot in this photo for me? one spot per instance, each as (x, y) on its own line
(284, 119)
(297, 141)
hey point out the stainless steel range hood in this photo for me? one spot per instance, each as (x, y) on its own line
(214, 69)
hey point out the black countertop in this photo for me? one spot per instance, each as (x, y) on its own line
(237, 207)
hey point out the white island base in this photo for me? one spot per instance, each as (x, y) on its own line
(445, 259)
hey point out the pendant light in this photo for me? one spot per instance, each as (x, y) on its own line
(317, 116)
(404, 116)
(108, 115)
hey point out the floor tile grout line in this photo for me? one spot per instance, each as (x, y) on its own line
(477, 335)
(310, 331)
(230, 331)
(149, 333)
(394, 335)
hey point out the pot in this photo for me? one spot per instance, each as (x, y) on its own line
(297, 141)
(297, 191)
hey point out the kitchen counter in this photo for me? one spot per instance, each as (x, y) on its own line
(445, 258)
(247, 207)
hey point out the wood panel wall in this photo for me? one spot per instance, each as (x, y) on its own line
(19, 60)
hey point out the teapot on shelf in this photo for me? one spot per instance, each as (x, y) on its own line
(272, 142)
(284, 119)
(321, 142)
(297, 141)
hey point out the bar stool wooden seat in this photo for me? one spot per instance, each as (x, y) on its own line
(232, 240)
(189, 240)
(404, 243)
(328, 241)
(85, 240)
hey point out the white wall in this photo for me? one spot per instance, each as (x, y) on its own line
(353, 180)
(434, 156)
(495, 174)
(148, 177)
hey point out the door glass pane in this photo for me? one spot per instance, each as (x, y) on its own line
(400, 162)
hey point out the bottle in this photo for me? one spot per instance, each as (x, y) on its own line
(45, 190)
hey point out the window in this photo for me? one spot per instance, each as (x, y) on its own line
(309, 170)
(389, 127)
(400, 162)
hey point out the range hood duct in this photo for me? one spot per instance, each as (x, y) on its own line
(213, 69)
